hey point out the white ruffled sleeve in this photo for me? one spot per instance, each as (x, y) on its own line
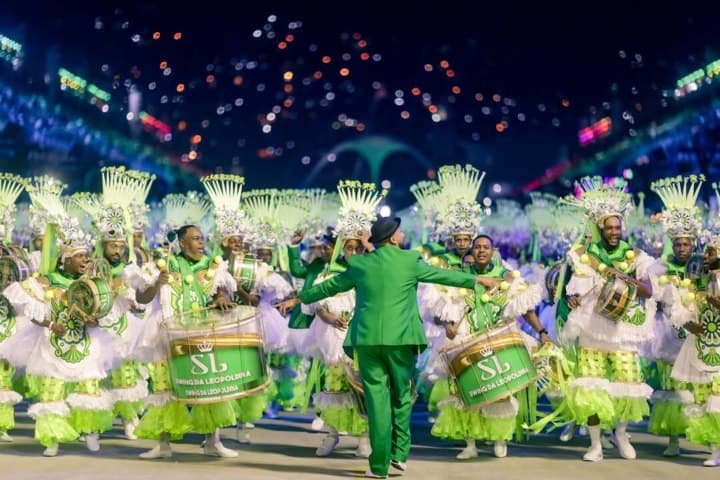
(223, 280)
(25, 298)
(583, 279)
(522, 298)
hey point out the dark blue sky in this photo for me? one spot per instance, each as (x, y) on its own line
(531, 59)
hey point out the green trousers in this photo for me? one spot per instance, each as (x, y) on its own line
(386, 373)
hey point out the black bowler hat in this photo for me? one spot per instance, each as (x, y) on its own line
(383, 229)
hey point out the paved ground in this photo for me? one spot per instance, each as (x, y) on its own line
(284, 449)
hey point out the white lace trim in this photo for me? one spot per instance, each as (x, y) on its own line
(132, 394)
(82, 401)
(25, 305)
(8, 397)
(502, 409)
(41, 409)
(158, 399)
(630, 390)
(713, 404)
(137, 279)
(522, 301)
(591, 383)
(451, 401)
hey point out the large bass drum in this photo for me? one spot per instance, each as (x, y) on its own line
(616, 298)
(222, 360)
(490, 365)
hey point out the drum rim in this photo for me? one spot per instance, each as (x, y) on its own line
(224, 398)
(466, 340)
(499, 343)
(505, 395)
(242, 340)
(252, 313)
(599, 307)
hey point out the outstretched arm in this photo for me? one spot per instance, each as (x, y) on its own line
(430, 274)
(337, 284)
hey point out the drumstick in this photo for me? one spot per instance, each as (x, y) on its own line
(171, 236)
(203, 309)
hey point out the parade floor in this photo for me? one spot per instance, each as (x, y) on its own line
(284, 448)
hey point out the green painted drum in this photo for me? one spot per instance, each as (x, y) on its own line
(217, 363)
(242, 268)
(490, 366)
(616, 298)
(92, 296)
(12, 269)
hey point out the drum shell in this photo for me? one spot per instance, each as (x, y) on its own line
(219, 362)
(243, 268)
(616, 298)
(490, 366)
(96, 289)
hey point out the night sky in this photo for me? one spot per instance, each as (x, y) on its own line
(263, 86)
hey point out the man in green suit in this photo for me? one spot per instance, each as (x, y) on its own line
(308, 272)
(386, 334)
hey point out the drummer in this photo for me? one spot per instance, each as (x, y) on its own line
(10, 189)
(386, 350)
(195, 281)
(336, 404)
(120, 188)
(681, 223)
(67, 351)
(231, 227)
(609, 389)
(696, 365)
(509, 297)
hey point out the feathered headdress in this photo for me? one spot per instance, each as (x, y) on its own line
(430, 201)
(262, 205)
(63, 235)
(11, 186)
(359, 202)
(183, 209)
(679, 196)
(225, 192)
(601, 200)
(315, 224)
(460, 187)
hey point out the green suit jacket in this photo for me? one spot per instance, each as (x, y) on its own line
(386, 307)
(309, 272)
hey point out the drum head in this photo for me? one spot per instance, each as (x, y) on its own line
(82, 296)
(695, 267)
